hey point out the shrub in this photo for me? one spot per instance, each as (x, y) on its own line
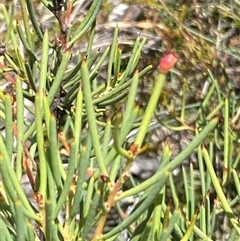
(65, 157)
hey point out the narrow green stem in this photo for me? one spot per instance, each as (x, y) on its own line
(160, 80)
(92, 119)
(44, 66)
(220, 192)
(56, 162)
(9, 176)
(127, 70)
(20, 127)
(41, 151)
(130, 104)
(227, 160)
(87, 22)
(215, 111)
(9, 18)
(82, 169)
(59, 76)
(78, 118)
(34, 21)
(157, 214)
(168, 230)
(153, 192)
(48, 220)
(19, 221)
(9, 124)
(174, 163)
(67, 184)
(26, 22)
(189, 231)
(116, 133)
(114, 48)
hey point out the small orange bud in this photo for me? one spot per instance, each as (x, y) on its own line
(167, 62)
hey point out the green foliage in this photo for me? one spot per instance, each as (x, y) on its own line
(65, 130)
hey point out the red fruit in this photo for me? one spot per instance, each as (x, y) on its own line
(167, 62)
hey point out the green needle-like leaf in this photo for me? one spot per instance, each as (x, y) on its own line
(20, 128)
(86, 23)
(92, 120)
(41, 145)
(66, 187)
(219, 191)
